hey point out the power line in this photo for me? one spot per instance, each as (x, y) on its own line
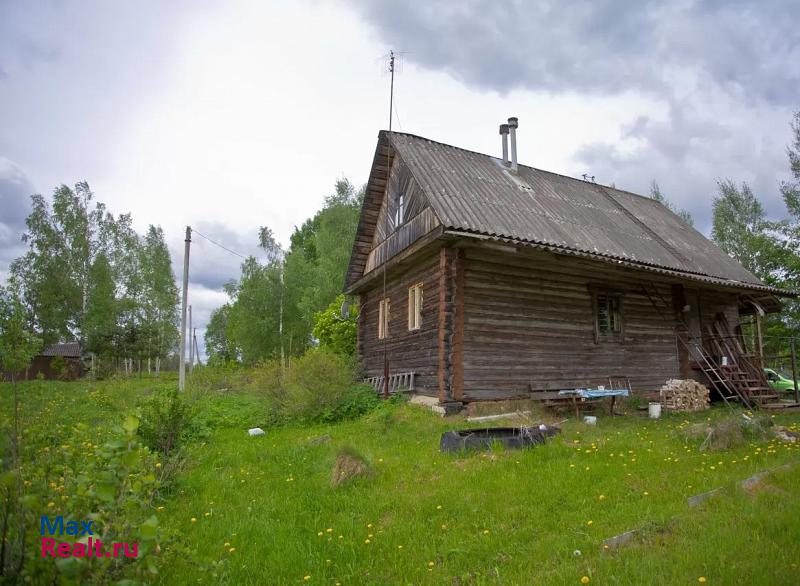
(218, 244)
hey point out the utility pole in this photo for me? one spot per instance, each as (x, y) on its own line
(182, 363)
(196, 349)
(191, 342)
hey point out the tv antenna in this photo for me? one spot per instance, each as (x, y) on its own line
(587, 177)
(395, 65)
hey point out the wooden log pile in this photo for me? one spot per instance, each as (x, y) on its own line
(684, 395)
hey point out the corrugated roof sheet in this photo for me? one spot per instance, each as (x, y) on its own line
(66, 349)
(473, 192)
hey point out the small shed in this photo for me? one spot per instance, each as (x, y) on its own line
(61, 361)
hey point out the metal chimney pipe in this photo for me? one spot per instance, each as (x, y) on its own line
(513, 123)
(504, 134)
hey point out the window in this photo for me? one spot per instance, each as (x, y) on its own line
(383, 319)
(400, 212)
(415, 307)
(607, 316)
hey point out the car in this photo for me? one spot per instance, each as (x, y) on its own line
(778, 381)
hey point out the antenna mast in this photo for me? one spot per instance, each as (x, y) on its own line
(391, 87)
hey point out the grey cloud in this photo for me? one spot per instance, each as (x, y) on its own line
(15, 192)
(603, 46)
(726, 70)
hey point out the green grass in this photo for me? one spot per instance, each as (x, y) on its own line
(260, 510)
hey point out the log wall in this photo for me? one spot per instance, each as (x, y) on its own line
(409, 351)
(529, 325)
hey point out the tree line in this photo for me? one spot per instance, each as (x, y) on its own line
(88, 276)
(275, 304)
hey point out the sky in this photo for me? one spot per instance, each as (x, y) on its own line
(228, 116)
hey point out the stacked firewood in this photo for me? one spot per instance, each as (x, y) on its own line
(684, 395)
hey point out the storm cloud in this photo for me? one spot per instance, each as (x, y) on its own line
(15, 192)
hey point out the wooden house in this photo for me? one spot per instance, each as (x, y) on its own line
(482, 279)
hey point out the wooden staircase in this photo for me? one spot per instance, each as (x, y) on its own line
(741, 379)
(743, 372)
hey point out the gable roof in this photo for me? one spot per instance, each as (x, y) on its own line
(66, 349)
(474, 193)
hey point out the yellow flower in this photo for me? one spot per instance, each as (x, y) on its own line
(438, 507)
(370, 535)
(329, 530)
(585, 580)
(602, 497)
(319, 534)
(193, 520)
(366, 541)
(430, 563)
(51, 504)
(227, 544)
(646, 493)
(399, 547)
(231, 550)
(486, 532)
(306, 578)
(701, 579)
(158, 464)
(369, 525)
(589, 522)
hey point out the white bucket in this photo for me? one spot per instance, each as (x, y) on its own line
(654, 410)
(590, 420)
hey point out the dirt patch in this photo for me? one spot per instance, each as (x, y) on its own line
(348, 467)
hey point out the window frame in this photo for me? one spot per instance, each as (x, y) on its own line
(415, 297)
(615, 298)
(384, 317)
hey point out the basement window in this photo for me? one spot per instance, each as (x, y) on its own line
(415, 307)
(607, 316)
(383, 319)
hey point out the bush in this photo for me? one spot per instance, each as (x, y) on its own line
(317, 387)
(163, 420)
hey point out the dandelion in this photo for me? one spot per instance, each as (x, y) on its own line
(602, 497)
(369, 525)
(319, 534)
(585, 580)
(486, 532)
(572, 465)
(646, 493)
(701, 579)
(231, 550)
(430, 564)
(438, 507)
(158, 464)
(227, 544)
(193, 520)
(341, 537)
(306, 578)
(399, 547)
(370, 535)
(329, 530)
(444, 525)
(589, 522)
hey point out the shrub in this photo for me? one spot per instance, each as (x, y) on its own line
(317, 387)
(163, 420)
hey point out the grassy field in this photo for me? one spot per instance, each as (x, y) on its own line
(261, 510)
